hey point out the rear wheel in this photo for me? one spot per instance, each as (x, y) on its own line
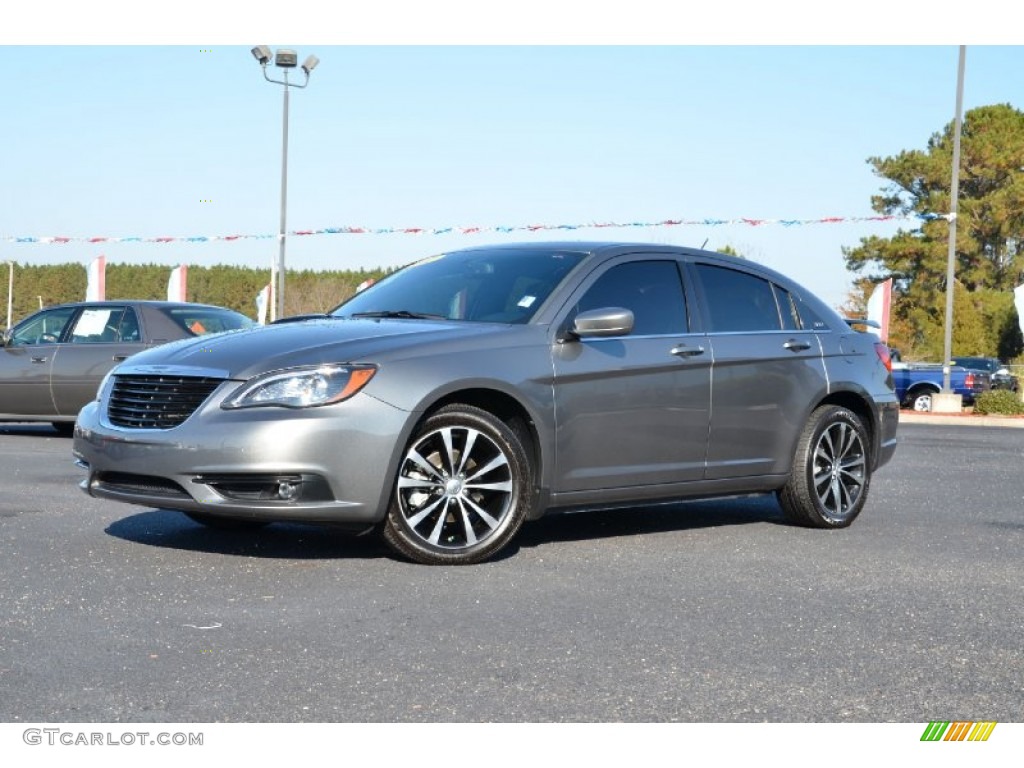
(831, 472)
(464, 488)
(921, 401)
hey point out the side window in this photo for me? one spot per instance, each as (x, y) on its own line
(810, 319)
(44, 328)
(738, 301)
(98, 325)
(653, 290)
(129, 330)
(787, 309)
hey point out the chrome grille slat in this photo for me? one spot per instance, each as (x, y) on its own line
(156, 401)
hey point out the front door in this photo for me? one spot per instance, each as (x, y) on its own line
(632, 410)
(26, 361)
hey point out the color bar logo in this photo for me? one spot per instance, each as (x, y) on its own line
(958, 731)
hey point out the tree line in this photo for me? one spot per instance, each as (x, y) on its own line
(989, 248)
(227, 286)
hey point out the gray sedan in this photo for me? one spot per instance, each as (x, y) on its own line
(53, 361)
(475, 390)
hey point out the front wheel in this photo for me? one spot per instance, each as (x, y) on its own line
(464, 488)
(828, 484)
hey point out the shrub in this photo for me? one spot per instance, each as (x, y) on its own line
(999, 401)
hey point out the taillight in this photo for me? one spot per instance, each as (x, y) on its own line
(882, 350)
(969, 381)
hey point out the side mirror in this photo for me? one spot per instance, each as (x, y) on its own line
(601, 323)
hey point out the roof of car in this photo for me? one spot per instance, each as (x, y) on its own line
(137, 302)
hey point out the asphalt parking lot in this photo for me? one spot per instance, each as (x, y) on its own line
(704, 612)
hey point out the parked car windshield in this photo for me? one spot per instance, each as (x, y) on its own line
(499, 286)
(203, 320)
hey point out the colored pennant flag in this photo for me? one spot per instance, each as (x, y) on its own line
(177, 285)
(879, 305)
(96, 287)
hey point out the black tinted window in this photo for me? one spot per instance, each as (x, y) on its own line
(129, 330)
(738, 301)
(652, 290)
(787, 308)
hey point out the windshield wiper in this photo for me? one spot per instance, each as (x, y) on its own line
(403, 313)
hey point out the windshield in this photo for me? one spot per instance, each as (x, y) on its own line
(499, 286)
(200, 320)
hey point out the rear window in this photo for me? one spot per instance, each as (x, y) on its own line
(203, 320)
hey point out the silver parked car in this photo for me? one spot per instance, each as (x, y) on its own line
(475, 390)
(52, 361)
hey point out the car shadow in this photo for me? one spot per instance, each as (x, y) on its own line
(651, 519)
(173, 530)
(293, 541)
(36, 429)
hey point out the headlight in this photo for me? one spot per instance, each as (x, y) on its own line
(302, 387)
(104, 383)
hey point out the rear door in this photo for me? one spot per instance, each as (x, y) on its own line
(768, 369)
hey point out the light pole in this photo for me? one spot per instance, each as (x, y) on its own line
(953, 198)
(287, 60)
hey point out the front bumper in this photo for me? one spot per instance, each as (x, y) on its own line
(332, 464)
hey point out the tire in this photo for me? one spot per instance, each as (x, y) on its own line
(828, 484)
(225, 523)
(463, 489)
(64, 428)
(920, 401)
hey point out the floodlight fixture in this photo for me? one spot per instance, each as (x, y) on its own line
(286, 58)
(310, 64)
(262, 54)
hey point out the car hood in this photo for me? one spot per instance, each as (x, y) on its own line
(245, 353)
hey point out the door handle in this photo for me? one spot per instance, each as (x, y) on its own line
(38, 359)
(120, 358)
(797, 346)
(683, 351)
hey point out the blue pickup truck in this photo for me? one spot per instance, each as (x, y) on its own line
(916, 383)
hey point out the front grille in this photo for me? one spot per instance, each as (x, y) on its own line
(156, 402)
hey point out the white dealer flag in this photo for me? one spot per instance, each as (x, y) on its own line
(263, 299)
(178, 284)
(878, 308)
(96, 287)
(1018, 302)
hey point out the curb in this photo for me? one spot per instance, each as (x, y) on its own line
(961, 420)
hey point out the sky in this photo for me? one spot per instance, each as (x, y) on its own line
(117, 125)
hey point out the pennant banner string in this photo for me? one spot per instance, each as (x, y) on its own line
(59, 240)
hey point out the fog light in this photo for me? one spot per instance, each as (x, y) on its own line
(287, 491)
